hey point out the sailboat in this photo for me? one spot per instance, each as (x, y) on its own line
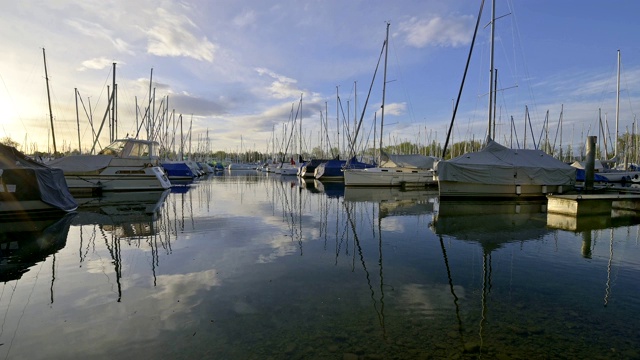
(497, 171)
(393, 170)
(617, 173)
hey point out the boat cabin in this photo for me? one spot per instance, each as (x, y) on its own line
(132, 148)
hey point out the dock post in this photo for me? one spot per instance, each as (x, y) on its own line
(590, 164)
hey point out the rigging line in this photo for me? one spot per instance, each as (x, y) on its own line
(524, 63)
(6, 313)
(406, 90)
(455, 110)
(24, 309)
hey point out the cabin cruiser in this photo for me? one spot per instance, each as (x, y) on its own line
(126, 164)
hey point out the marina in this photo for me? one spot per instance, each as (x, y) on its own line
(305, 182)
(252, 265)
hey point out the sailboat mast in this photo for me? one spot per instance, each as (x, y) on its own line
(491, 89)
(75, 91)
(46, 76)
(384, 90)
(114, 130)
(615, 146)
(300, 129)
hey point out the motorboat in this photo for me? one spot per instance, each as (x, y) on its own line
(125, 165)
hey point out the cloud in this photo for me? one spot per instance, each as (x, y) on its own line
(395, 109)
(186, 103)
(95, 30)
(282, 87)
(438, 31)
(97, 64)
(245, 19)
(170, 37)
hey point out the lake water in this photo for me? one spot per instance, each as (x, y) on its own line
(256, 266)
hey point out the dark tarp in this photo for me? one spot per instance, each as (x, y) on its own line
(49, 185)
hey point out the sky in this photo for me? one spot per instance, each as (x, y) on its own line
(238, 72)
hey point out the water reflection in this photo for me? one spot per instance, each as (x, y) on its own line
(134, 218)
(492, 225)
(345, 273)
(26, 243)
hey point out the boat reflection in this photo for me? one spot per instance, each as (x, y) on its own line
(27, 243)
(120, 219)
(491, 224)
(395, 201)
(332, 189)
(126, 214)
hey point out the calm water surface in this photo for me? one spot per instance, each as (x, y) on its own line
(255, 266)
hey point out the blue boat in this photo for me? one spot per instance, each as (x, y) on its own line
(332, 170)
(178, 170)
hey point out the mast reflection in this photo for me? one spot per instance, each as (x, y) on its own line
(491, 225)
(134, 218)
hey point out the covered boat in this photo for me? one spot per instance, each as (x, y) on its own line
(395, 170)
(499, 172)
(29, 189)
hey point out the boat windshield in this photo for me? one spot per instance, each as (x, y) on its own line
(139, 150)
(115, 149)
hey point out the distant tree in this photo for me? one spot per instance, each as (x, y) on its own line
(7, 140)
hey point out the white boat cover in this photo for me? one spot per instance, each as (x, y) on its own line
(415, 161)
(580, 165)
(81, 163)
(496, 164)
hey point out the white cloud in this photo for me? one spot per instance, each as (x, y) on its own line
(97, 31)
(97, 64)
(438, 31)
(170, 37)
(283, 87)
(395, 109)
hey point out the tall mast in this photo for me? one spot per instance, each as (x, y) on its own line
(384, 90)
(114, 130)
(46, 76)
(491, 89)
(75, 90)
(300, 126)
(615, 146)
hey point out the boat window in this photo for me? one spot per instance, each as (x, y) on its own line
(115, 149)
(139, 150)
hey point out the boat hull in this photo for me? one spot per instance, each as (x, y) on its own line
(467, 190)
(120, 179)
(388, 177)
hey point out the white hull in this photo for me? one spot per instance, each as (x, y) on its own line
(242, 166)
(125, 165)
(114, 178)
(388, 177)
(620, 175)
(454, 189)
